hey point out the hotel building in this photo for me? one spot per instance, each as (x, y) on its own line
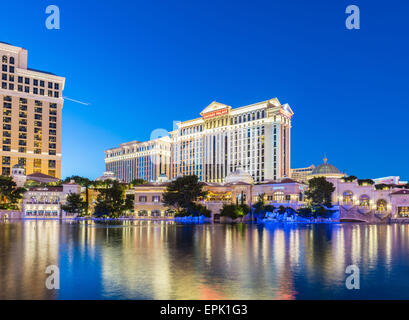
(139, 160)
(256, 138)
(31, 102)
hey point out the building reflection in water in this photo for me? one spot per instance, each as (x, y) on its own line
(164, 260)
(26, 249)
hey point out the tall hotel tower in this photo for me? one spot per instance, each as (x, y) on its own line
(256, 138)
(31, 102)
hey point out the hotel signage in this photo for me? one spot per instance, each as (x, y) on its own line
(216, 113)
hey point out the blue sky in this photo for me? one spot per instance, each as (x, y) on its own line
(144, 64)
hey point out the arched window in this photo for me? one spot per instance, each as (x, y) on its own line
(381, 205)
(278, 196)
(169, 213)
(4, 60)
(364, 201)
(155, 213)
(348, 197)
(11, 60)
(142, 213)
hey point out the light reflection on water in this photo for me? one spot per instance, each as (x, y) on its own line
(163, 260)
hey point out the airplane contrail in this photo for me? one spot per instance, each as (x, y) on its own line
(77, 101)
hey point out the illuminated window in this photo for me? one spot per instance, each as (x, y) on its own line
(37, 163)
(381, 205)
(364, 201)
(348, 197)
(403, 212)
(278, 196)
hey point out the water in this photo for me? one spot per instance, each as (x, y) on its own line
(164, 260)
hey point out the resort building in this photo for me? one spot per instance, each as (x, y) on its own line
(238, 188)
(139, 160)
(301, 174)
(46, 202)
(256, 137)
(359, 200)
(31, 103)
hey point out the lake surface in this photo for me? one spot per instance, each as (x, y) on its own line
(164, 260)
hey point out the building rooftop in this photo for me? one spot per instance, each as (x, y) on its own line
(325, 168)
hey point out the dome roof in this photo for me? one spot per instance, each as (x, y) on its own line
(239, 176)
(325, 169)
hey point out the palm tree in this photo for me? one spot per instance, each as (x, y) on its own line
(83, 182)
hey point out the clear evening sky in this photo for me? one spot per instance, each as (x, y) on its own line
(144, 64)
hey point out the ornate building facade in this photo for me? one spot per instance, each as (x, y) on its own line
(31, 103)
(256, 137)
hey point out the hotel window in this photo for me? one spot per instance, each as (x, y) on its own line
(6, 127)
(4, 68)
(35, 82)
(6, 148)
(20, 88)
(278, 196)
(50, 85)
(53, 132)
(11, 60)
(4, 85)
(56, 86)
(381, 205)
(52, 145)
(4, 77)
(4, 60)
(403, 212)
(38, 116)
(20, 79)
(27, 80)
(37, 163)
(6, 134)
(51, 173)
(42, 83)
(6, 141)
(6, 160)
(348, 197)
(56, 94)
(50, 93)
(364, 201)
(5, 171)
(27, 89)
(11, 69)
(11, 86)
(35, 90)
(51, 164)
(37, 151)
(22, 149)
(142, 198)
(42, 92)
(37, 123)
(156, 198)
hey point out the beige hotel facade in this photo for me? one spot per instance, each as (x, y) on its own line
(256, 138)
(31, 103)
